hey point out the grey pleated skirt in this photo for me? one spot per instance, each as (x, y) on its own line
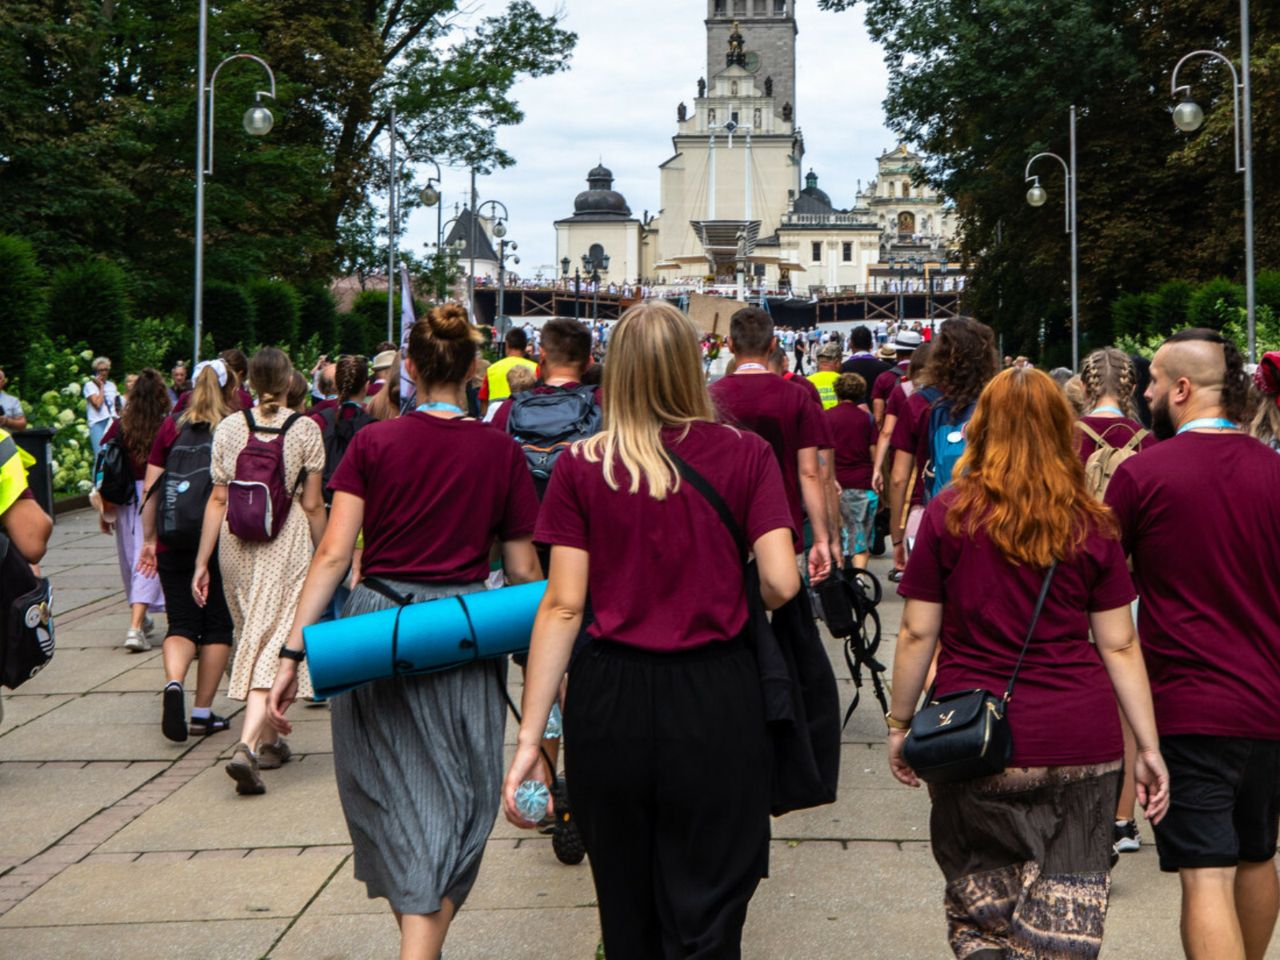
(419, 768)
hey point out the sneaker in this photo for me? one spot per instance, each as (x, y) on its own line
(203, 726)
(566, 840)
(136, 641)
(1125, 834)
(173, 723)
(243, 769)
(273, 756)
(148, 626)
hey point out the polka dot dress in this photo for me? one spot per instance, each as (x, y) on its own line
(263, 580)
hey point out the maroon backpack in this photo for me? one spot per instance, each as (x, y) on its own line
(259, 498)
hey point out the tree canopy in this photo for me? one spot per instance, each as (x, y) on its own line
(97, 125)
(980, 86)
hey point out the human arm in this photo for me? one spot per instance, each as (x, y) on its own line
(913, 654)
(214, 512)
(520, 561)
(13, 423)
(900, 475)
(555, 629)
(95, 392)
(814, 498)
(328, 566)
(28, 527)
(877, 410)
(776, 565)
(313, 506)
(880, 453)
(831, 486)
(1117, 643)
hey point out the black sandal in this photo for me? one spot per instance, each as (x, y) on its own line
(210, 724)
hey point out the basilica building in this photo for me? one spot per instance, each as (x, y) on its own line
(737, 199)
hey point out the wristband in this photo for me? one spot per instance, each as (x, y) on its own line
(896, 543)
(893, 723)
(297, 655)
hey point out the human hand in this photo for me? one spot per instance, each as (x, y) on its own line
(877, 482)
(900, 556)
(282, 694)
(147, 559)
(1151, 778)
(525, 765)
(901, 771)
(819, 562)
(200, 585)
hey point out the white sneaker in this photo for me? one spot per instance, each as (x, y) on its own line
(136, 641)
(148, 626)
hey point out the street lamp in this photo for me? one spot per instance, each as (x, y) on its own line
(257, 121)
(430, 197)
(592, 266)
(503, 246)
(1188, 117)
(499, 231)
(1036, 197)
(565, 263)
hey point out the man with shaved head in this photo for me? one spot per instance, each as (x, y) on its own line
(1199, 515)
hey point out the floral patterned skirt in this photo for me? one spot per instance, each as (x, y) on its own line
(1027, 858)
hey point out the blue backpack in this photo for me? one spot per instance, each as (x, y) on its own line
(946, 441)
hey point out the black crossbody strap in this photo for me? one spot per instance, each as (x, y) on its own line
(712, 496)
(1035, 618)
(401, 600)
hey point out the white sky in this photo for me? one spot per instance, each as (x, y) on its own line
(617, 103)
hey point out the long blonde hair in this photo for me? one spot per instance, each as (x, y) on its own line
(210, 401)
(652, 379)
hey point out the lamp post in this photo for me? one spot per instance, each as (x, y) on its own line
(430, 197)
(577, 282)
(1188, 117)
(257, 122)
(499, 231)
(1036, 196)
(592, 266)
(503, 246)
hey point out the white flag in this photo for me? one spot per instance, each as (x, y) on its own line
(406, 324)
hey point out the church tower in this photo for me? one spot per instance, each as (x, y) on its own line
(768, 29)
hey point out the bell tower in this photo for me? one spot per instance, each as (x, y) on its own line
(768, 29)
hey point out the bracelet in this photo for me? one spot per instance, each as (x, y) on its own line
(893, 723)
(896, 543)
(297, 655)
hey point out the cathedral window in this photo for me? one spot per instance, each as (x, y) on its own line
(892, 185)
(711, 116)
(762, 7)
(815, 252)
(906, 189)
(739, 6)
(733, 88)
(846, 253)
(755, 119)
(719, 8)
(779, 8)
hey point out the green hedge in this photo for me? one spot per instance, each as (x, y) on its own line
(319, 316)
(277, 308)
(229, 315)
(23, 301)
(89, 301)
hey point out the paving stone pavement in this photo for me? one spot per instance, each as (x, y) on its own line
(116, 843)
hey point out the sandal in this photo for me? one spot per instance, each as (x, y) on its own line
(210, 724)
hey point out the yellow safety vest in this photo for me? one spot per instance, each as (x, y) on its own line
(14, 463)
(497, 374)
(825, 381)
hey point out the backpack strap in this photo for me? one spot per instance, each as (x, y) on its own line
(1134, 441)
(1091, 433)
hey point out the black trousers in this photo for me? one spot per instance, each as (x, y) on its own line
(668, 770)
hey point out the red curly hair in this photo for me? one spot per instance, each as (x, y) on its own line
(1020, 479)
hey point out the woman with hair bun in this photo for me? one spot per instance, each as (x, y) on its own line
(262, 577)
(419, 758)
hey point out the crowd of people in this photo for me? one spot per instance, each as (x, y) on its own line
(1029, 516)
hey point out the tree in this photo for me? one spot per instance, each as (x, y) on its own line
(22, 300)
(229, 316)
(319, 315)
(277, 308)
(982, 86)
(89, 301)
(97, 124)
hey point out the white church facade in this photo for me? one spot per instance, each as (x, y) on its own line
(735, 196)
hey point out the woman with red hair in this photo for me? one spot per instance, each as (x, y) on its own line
(1027, 852)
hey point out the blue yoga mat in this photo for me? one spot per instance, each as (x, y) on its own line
(434, 635)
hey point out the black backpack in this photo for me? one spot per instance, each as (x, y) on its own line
(113, 473)
(337, 434)
(26, 618)
(545, 424)
(184, 488)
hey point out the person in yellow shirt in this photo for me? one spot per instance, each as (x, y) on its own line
(23, 521)
(495, 386)
(827, 375)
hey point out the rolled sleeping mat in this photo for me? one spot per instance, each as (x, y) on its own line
(431, 636)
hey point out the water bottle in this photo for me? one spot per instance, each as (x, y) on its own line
(532, 798)
(555, 724)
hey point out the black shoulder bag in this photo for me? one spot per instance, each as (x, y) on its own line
(966, 735)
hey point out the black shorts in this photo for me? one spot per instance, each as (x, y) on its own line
(201, 625)
(1224, 802)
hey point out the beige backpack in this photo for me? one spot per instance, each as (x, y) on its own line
(1106, 459)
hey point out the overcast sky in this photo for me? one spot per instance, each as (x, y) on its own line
(634, 62)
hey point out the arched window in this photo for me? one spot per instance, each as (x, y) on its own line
(892, 186)
(755, 119)
(906, 188)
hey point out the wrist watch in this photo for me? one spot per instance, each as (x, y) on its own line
(298, 655)
(893, 723)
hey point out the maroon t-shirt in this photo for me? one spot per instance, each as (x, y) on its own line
(1200, 516)
(349, 411)
(854, 432)
(1064, 709)
(898, 398)
(1116, 431)
(651, 559)
(374, 388)
(885, 383)
(436, 493)
(910, 435)
(139, 467)
(784, 416)
(320, 406)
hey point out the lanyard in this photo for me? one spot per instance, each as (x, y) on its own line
(437, 405)
(1205, 423)
(744, 367)
(1108, 409)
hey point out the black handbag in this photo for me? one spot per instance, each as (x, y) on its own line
(26, 618)
(966, 735)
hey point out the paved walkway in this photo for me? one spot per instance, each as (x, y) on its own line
(116, 843)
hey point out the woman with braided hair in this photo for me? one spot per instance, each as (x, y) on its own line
(1111, 418)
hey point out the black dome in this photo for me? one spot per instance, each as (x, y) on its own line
(601, 197)
(812, 191)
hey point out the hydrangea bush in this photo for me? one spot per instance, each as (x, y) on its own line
(55, 377)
